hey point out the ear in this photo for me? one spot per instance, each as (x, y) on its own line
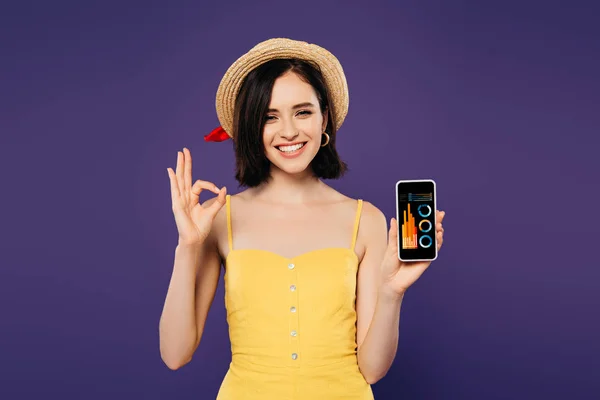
(325, 119)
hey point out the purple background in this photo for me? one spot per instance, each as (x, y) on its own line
(498, 102)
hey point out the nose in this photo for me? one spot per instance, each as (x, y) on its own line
(289, 130)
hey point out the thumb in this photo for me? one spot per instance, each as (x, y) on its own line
(393, 233)
(219, 202)
(393, 236)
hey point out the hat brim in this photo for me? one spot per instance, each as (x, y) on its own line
(277, 48)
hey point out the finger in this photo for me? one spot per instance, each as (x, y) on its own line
(174, 186)
(200, 184)
(179, 171)
(441, 215)
(188, 168)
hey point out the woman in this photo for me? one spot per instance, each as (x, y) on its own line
(313, 287)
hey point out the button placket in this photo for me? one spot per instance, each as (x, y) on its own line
(293, 331)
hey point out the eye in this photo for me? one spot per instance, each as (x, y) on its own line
(304, 112)
(269, 117)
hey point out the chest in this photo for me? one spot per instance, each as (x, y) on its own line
(291, 231)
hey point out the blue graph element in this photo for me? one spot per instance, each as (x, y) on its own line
(428, 238)
(425, 221)
(421, 213)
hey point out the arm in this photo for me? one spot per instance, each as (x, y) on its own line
(378, 309)
(191, 292)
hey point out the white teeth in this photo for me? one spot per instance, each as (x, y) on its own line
(289, 149)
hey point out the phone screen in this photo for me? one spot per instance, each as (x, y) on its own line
(416, 210)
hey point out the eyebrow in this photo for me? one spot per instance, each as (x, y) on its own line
(306, 104)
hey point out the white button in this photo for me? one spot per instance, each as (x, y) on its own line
(293, 309)
(294, 356)
(293, 333)
(291, 266)
(293, 288)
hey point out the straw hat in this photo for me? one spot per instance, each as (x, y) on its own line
(268, 50)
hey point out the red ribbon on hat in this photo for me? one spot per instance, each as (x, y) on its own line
(217, 135)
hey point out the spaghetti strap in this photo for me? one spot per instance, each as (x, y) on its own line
(229, 233)
(356, 222)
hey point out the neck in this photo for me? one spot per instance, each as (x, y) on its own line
(287, 188)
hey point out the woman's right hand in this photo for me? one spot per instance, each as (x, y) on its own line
(193, 221)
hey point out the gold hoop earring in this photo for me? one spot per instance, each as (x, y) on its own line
(327, 141)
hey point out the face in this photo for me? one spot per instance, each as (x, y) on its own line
(294, 125)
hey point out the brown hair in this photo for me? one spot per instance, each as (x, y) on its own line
(252, 103)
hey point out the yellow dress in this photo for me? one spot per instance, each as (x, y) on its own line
(292, 324)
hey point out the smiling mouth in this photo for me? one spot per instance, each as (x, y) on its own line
(290, 149)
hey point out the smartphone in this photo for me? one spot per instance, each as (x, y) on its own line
(415, 215)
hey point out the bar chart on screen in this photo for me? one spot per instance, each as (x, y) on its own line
(409, 230)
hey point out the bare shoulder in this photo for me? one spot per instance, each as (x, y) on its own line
(372, 229)
(373, 224)
(372, 215)
(372, 219)
(218, 233)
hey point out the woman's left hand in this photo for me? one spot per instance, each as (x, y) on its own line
(398, 276)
